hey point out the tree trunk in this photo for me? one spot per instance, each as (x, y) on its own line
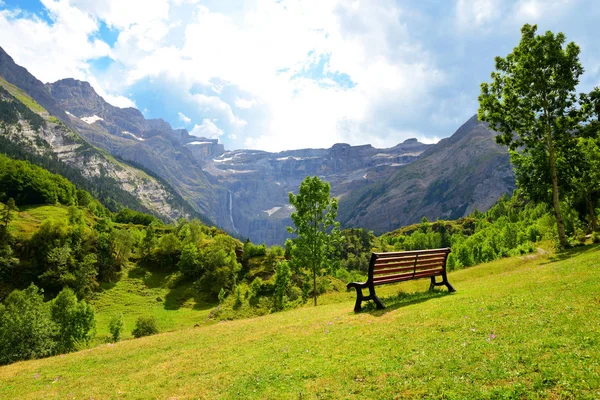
(315, 285)
(593, 225)
(562, 238)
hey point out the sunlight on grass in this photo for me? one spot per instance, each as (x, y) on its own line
(515, 328)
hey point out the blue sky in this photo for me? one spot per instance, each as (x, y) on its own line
(283, 74)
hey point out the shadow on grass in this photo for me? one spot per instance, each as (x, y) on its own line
(569, 253)
(180, 290)
(178, 296)
(402, 299)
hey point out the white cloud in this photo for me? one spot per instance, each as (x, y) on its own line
(244, 103)
(476, 13)
(123, 14)
(118, 101)
(207, 129)
(218, 106)
(183, 118)
(53, 51)
(532, 11)
(273, 74)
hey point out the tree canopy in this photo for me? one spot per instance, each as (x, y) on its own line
(532, 103)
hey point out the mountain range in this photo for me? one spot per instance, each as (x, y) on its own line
(246, 191)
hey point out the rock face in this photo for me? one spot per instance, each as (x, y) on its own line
(452, 178)
(58, 139)
(61, 138)
(171, 153)
(259, 182)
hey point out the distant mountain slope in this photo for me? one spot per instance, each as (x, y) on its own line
(124, 132)
(465, 171)
(246, 191)
(36, 131)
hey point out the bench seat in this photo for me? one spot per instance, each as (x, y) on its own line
(402, 266)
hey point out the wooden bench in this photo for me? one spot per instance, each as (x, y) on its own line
(402, 266)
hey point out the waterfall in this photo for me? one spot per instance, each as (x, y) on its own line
(231, 212)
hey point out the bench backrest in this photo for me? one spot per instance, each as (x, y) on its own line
(405, 265)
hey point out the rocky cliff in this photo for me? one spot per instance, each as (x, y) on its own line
(461, 173)
(61, 140)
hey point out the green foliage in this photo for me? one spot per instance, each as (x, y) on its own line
(252, 250)
(74, 319)
(222, 295)
(115, 327)
(220, 266)
(29, 184)
(127, 216)
(167, 251)
(26, 329)
(282, 285)
(531, 103)
(190, 262)
(145, 326)
(256, 289)
(315, 227)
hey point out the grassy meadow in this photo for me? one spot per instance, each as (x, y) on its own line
(522, 327)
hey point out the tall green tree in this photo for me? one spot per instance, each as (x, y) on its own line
(531, 102)
(315, 226)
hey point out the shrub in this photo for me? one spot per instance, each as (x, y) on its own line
(75, 320)
(115, 326)
(595, 237)
(26, 330)
(282, 283)
(222, 295)
(145, 326)
(255, 291)
(252, 250)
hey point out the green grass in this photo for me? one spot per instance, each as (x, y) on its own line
(29, 218)
(516, 328)
(22, 96)
(141, 292)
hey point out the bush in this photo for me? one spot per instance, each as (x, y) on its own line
(595, 237)
(115, 326)
(252, 250)
(75, 320)
(255, 291)
(26, 330)
(145, 326)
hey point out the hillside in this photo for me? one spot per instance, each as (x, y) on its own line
(459, 174)
(516, 328)
(29, 131)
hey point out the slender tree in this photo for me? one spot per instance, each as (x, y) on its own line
(315, 225)
(531, 102)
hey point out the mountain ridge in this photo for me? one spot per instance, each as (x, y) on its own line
(246, 191)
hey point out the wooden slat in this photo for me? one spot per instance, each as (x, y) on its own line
(394, 264)
(404, 263)
(409, 253)
(419, 267)
(403, 277)
(420, 257)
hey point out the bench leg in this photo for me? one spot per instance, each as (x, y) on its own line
(432, 284)
(448, 285)
(376, 299)
(359, 300)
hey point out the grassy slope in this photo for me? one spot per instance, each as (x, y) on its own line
(515, 328)
(140, 292)
(22, 96)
